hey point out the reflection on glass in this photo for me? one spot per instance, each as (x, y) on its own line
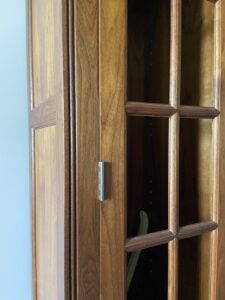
(195, 170)
(148, 50)
(197, 52)
(147, 173)
(194, 268)
(150, 275)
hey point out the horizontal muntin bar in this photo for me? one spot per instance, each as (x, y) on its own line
(198, 112)
(163, 237)
(146, 109)
(149, 109)
(196, 229)
(149, 240)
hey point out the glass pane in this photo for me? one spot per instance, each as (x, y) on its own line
(147, 173)
(197, 52)
(149, 269)
(148, 50)
(195, 170)
(194, 268)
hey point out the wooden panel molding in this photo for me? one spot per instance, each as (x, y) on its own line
(49, 148)
(46, 22)
(44, 114)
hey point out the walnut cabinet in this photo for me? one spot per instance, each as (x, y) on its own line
(127, 149)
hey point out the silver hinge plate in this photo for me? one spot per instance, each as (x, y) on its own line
(101, 180)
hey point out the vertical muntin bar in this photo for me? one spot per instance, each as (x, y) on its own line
(175, 66)
(215, 143)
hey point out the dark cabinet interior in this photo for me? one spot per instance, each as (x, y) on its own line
(148, 51)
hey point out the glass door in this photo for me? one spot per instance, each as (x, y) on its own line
(160, 126)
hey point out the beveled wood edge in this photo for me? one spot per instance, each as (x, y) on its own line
(163, 237)
(216, 149)
(147, 109)
(72, 156)
(44, 114)
(64, 121)
(29, 59)
(196, 229)
(198, 112)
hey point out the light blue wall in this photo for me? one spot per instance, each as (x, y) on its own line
(15, 274)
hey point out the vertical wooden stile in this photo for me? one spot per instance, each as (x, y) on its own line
(215, 143)
(112, 146)
(175, 62)
(87, 149)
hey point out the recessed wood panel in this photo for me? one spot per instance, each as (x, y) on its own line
(197, 66)
(46, 49)
(46, 193)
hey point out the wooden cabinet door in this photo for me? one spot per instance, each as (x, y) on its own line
(161, 116)
(149, 93)
(49, 148)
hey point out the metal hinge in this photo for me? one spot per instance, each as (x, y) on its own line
(101, 180)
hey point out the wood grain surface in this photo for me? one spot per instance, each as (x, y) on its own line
(149, 109)
(49, 148)
(220, 210)
(218, 39)
(173, 153)
(112, 146)
(83, 67)
(87, 149)
(46, 170)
